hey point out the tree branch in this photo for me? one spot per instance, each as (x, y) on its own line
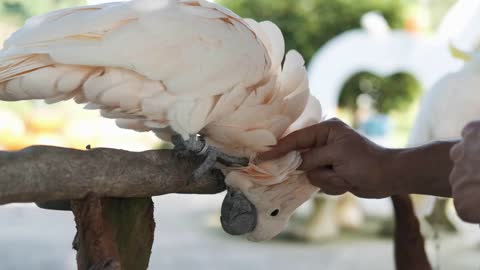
(46, 173)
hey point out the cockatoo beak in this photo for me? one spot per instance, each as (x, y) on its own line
(238, 215)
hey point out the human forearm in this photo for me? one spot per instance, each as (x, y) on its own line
(337, 159)
(420, 170)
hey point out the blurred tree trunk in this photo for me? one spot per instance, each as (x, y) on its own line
(113, 234)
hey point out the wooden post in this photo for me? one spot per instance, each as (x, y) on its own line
(113, 234)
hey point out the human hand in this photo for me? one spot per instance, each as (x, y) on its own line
(337, 159)
(465, 176)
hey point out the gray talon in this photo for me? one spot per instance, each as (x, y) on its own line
(207, 165)
(231, 160)
(196, 146)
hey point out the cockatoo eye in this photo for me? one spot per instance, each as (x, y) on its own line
(275, 213)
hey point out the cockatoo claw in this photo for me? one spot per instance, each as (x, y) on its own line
(231, 160)
(196, 146)
(207, 165)
(238, 214)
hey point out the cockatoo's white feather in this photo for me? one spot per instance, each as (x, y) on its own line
(437, 121)
(276, 185)
(183, 64)
(175, 66)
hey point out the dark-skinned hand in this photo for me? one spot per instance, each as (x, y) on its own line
(337, 159)
(465, 177)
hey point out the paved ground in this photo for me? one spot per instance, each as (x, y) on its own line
(187, 237)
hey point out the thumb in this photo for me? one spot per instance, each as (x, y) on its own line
(328, 181)
(318, 157)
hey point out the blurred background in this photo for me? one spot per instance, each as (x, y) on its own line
(370, 63)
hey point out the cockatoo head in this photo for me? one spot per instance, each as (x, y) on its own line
(262, 197)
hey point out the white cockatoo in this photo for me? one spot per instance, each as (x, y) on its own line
(445, 110)
(189, 70)
(436, 120)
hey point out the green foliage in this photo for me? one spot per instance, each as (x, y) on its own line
(308, 24)
(398, 92)
(15, 12)
(392, 93)
(356, 85)
(438, 9)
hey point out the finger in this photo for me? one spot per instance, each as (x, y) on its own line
(302, 139)
(318, 157)
(471, 128)
(454, 177)
(466, 203)
(298, 140)
(457, 152)
(328, 181)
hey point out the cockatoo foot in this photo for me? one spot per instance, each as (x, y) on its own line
(208, 164)
(212, 156)
(197, 147)
(194, 146)
(231, 160)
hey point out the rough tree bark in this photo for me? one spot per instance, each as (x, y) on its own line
(46, 173)
(112, 234)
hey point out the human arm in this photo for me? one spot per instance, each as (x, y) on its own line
(338, 159)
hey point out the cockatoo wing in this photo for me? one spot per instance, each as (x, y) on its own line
(262, 116)
(313, 114)
(181, 66)
(122, 56)
(164, 40)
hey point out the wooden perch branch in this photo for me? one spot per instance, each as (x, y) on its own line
(46, 173)
(112, 234)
